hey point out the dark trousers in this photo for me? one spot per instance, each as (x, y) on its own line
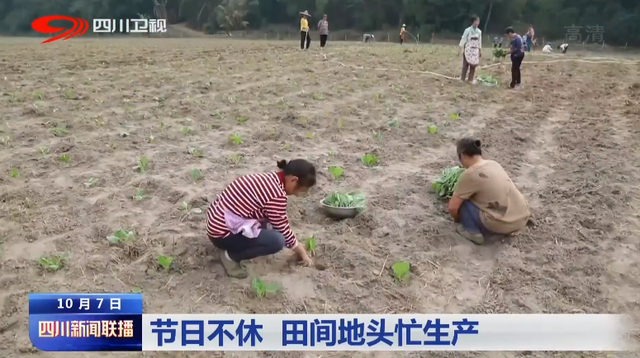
(470, 219)
(516, 62)
(304, 37)
(467, 67)
(323, 40)
(241, 248)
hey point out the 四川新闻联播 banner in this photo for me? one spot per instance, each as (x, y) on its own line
(369, 332)
(85, 322)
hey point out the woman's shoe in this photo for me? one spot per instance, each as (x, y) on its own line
(232, 268)
(477, 238)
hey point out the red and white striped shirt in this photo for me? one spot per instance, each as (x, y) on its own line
(255, 196)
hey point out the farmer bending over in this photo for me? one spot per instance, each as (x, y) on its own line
(564, 47)
(236, 220)
(485, 201)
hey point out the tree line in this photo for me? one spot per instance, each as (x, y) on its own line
(617, 22)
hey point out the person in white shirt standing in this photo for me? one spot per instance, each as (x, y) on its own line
(470, 32)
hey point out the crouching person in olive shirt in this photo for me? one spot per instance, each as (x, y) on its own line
(485, 202)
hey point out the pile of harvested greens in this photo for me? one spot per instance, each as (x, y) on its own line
(346, 200)
(446, 182)
(499, 52)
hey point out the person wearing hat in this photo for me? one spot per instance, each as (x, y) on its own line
(304, 31)
(403, 34)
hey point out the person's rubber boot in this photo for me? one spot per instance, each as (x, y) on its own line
(232, 268)
(477, 239)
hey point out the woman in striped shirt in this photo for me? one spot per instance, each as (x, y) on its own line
(236, 220)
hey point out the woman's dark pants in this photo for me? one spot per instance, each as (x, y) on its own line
(516, 62)
(242, 248)
(470, 219)
(323, 40)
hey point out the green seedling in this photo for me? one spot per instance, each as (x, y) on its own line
(70, 94)
(354, 200)
(310, 244)
(377, 135)
(394, 123)
(456, 95)
(14, 173)
(488, 80)
(433, 129)
(235, 139)
(401, 270)
(59, 131)
(121, 236)
(16, 97)
(310, 135)
(151, 139)
(370, 160)
(162, 126)
(242, 119)
(142, 165)
(236, 158)
(91, 182)
(196, 175)
(186, 131)
(43, 150)
(166, 262)
(262, 289)
(318, 97)
(52, 263)
(139, 195)
(286, 146)
(65, 158)
(136, 290)
(38, 95)
(28, 203)
(454, 116)
(196, 152)
(336, 172)
(446, 182)
(188, 209)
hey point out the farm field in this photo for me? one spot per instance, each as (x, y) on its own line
(77, 117)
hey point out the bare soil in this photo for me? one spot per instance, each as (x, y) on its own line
(570, 141)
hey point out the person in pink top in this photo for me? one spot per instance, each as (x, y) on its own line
(236, 220)
(530, 38)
